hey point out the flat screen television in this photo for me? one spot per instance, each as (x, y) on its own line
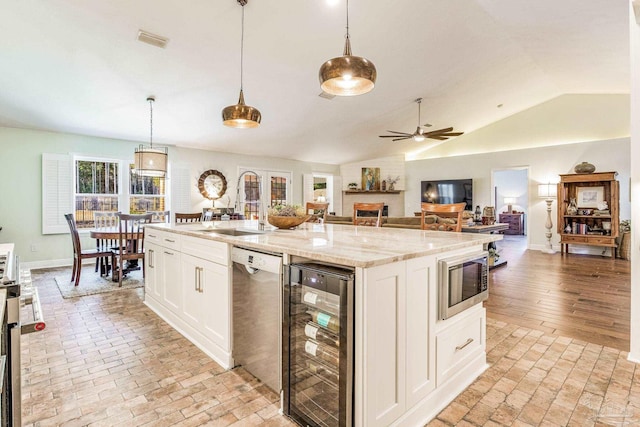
(448, 191)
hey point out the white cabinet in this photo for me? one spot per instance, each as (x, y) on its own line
(188, 283)
(409, 364)
(205, 287)
(151, 285)
(170, 280)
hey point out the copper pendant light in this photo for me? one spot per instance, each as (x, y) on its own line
(241, 116)
(347, 75)
(149, 161)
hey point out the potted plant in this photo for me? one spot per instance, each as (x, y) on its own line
(353, 186)
(391, 182)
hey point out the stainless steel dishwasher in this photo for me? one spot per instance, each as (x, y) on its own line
(257, 314)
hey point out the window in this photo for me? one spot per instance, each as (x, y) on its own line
(146, 193)
(96, 189)
(277, 187)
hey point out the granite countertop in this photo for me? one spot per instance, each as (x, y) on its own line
(338, 244)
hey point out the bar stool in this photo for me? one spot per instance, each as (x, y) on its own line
(442, 210)
(370, 221)
(313, 207)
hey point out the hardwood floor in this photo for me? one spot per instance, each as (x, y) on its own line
(585, 297)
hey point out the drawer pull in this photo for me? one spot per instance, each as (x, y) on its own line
(460, 347)
(169, 253)
(151, 235)
(169, 240)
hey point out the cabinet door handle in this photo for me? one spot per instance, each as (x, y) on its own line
(460, 347)
(151, 235)
(169, 240)
(151, 258)
(201, 269)
(168, 253)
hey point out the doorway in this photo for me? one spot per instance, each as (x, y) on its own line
(511, 195)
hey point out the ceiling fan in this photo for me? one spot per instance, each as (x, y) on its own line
(420, 134)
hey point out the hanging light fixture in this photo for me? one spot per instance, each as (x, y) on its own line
(347, 75)
(241, 116)
(418, 136)
(149, 161)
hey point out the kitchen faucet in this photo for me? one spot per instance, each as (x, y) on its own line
(261, 210)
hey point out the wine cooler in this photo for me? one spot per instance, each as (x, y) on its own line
(318, 345)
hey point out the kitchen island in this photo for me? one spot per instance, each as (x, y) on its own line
(408, 363)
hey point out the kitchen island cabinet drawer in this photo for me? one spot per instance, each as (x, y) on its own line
(211, 250)
(162, 238)
(459, 344)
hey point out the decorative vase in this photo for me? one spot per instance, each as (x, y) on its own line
(391, 186)
(585, 167)
(572, 209)
(384, 186)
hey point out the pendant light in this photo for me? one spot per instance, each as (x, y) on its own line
(149, 161)
(347, 75)
(241, 116)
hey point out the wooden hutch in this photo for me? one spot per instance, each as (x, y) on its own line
(589, 225)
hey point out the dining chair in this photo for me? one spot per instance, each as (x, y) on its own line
(103, 220)
(188, 217)
(130, 243)
(160, 216)
(371, 221)
(78, 253)
(312, 209)
(447, 211)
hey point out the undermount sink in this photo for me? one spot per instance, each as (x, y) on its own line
(233, 231)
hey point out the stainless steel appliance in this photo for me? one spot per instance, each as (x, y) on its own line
(18, 292)
(257, 301)
(318, 359)
(462, 283)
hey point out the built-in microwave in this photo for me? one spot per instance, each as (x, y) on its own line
(462, 283)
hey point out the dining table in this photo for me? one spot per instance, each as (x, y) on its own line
(113, 233)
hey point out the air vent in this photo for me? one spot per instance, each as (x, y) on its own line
(152, 39)
(326, 95)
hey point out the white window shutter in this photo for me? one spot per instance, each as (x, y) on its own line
(180, 191)
(57, 192)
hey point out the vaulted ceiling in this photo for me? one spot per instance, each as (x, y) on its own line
(75, 66)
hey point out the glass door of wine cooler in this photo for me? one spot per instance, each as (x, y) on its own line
(318, 345)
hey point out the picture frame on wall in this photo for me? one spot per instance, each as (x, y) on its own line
(590, 197)
(371, 179)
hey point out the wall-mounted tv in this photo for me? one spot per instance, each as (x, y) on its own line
(448, 191)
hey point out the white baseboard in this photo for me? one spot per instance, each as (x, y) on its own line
(576, 249)
(52, 263)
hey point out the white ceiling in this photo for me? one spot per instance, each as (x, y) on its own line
(75, 66)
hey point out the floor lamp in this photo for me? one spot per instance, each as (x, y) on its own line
(548, 192)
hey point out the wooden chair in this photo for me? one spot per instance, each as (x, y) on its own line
(78, 253)
(442, 211)
(372, 221)
(101, 221)
(130, 243)
(160, 216)
(188, 217)
(313, 207)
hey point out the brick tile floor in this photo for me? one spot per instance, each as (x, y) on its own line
(107, 360)
(535, 379)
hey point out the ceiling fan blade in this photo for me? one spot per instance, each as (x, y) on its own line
(401, 133)
(400, 139)
(388, 136)
(438, 131)
(451, 134)
(439, 138)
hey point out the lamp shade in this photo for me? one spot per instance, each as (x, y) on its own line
(347, 75)
(510, 200)
(547, 191)
(150, 161)
(241, 116)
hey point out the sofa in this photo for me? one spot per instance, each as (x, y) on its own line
(412, 222)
